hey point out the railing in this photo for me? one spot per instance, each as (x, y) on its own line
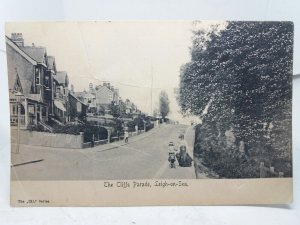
(44, 118)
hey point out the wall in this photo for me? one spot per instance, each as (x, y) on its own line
(47, 139)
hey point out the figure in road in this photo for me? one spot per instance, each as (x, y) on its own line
(183, 158)
(172, 157)
(126, 136)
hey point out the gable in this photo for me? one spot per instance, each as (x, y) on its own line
(17, 86)
(10, 43)
(17, 64)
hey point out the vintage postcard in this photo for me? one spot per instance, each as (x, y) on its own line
(133, 113)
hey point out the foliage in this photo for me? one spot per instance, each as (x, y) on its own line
(114, 110)
(89, 130)
(164, 102)
(239, 81)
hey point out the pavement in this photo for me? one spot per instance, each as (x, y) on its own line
(144, 157)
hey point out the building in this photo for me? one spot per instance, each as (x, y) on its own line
(39, 94)
(77, 109)
(99, 98)
(29, 89)
(106, 94)
(61, 96)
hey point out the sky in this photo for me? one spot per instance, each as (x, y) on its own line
(133, 56)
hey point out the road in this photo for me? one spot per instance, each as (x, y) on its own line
(144, 157)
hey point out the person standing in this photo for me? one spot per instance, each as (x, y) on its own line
(126, 136)
(184, 158)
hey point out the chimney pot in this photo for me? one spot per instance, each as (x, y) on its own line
(17, 38)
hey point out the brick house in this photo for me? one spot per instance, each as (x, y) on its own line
(27, 79)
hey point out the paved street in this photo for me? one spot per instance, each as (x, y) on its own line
(145, 157)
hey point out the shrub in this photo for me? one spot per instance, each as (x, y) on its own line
(88, 129)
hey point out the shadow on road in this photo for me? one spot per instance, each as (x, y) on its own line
(25, 163)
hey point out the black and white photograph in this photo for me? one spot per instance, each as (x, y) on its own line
(150, 100)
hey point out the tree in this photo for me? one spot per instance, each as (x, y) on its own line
(101, 110)
(241, 76)
(122, 108)
(114, 109)
(164, 104)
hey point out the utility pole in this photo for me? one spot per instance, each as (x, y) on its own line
(151, 108)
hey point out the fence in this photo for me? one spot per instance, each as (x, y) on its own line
(149, 126)
(266, 172)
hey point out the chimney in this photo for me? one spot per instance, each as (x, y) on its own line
(33, 45)
(17, 38)
(108, 85)
(112, 88)
(72, 88)
(91, 87)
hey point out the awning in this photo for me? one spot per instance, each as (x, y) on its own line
(59, 105)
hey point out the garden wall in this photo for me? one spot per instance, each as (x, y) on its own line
(48, 139)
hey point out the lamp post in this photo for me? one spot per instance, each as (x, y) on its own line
(19, 96)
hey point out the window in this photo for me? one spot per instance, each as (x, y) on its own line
(37, 76)
(47, 81)
(14, 109)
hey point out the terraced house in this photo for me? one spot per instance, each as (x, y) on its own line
(29, 86)
(39, 94)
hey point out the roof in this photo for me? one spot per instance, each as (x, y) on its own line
(20, 51)
(102, 88)
(73, 95)
(89, 95)
(20, 68)
(61, 77)
(51, 63)
(35, 97)
(37, 53)
(79, 94)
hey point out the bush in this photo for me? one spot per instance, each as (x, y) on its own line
(131, 126)
(89, 130)
(229, 162)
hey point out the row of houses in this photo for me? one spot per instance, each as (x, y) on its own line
(38, 92)
(99, 98)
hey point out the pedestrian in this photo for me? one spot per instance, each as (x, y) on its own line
(183, 157)
(126, 136)
(182, 146)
